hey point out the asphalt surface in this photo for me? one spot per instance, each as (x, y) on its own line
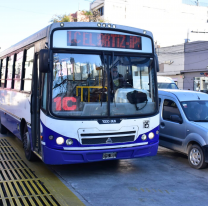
(165, 179)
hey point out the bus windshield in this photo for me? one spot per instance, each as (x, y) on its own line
(93, 85)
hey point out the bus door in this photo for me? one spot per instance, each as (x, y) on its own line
(35, 106)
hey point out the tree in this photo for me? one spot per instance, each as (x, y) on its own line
(81, 16)
(94, 16)
(60, 18)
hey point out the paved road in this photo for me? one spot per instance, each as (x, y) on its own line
(166, 179)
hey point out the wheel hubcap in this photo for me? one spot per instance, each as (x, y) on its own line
(195, 156)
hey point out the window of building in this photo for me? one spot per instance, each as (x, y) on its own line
(101, 10)
(3, 72)
(201, 84)
(28, 69)
(9, 72)
(18, 71)
(170, 108)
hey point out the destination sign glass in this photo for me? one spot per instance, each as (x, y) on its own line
(94, 39)
(101, 40)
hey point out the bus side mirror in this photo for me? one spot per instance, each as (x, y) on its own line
(44, 61)
(157, 63)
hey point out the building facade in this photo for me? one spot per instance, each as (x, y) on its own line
(196, 66)
(171, 21)
(79, 16)
(171, 62)
(186, 64)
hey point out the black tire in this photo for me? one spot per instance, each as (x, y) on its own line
(3, 129)
(27, 148)
(196, 157)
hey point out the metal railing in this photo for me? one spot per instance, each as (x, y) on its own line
(87, 87)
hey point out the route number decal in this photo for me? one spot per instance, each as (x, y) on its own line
(63, 103)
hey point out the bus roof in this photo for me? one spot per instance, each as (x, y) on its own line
(45, 33)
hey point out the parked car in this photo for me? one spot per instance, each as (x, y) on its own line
(166, 83)
(184, 124)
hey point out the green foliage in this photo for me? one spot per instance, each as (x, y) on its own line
(87, 13)
(65, 18)
(94, 16)
(60, 18)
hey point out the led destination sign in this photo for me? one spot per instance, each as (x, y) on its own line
(95, 39)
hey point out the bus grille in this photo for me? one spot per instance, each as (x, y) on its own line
(107, 140)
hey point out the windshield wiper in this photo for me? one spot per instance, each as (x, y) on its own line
(103, 80)
(58, 85)
(112, 79)
(205, 120)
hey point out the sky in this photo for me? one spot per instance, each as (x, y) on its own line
(22, 18)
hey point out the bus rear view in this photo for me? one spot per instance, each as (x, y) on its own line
(99, 96)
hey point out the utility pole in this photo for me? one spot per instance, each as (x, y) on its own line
(197, 2)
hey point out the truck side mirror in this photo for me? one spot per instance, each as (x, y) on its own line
(176, 118)
(43, 61)
(157, 63)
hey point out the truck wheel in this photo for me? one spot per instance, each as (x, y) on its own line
(3, 129)
(27, 145)
(196, 157)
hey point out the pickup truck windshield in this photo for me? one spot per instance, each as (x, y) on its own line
(196, 110)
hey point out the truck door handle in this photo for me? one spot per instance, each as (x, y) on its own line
(162, 124)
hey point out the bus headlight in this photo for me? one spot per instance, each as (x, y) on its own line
(69, 142)
(151, 135)
(144, 137)
(60, 140)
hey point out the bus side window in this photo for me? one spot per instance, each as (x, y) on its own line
(3, 72)
(18, 70)
(28, 69)
(9, 72)
(44, 96)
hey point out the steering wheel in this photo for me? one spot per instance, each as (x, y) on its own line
(127, 85)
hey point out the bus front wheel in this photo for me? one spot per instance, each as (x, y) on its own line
(27, 145)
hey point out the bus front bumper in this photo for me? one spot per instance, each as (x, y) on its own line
(59, 157)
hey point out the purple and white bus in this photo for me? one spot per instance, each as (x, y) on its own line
(82, 92)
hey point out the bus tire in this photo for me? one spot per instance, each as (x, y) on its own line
(27, 145)
(196, 157)
(3, 129)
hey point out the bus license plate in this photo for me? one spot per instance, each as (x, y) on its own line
(111, 155)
